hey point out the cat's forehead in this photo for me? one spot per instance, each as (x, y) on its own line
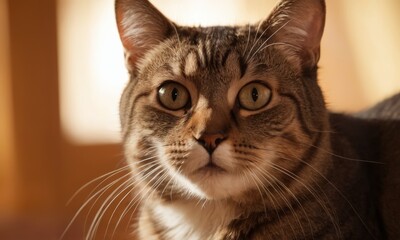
(207, 63)
(218, 35)
(210, 59)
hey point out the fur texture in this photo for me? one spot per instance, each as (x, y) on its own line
(228, 137)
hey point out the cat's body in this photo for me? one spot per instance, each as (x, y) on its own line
(228, 136)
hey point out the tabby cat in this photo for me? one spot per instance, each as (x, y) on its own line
(228, 137)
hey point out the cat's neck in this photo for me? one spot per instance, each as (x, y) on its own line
(192, 220)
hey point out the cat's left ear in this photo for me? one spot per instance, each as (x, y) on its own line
(298, 25)
(141, 27)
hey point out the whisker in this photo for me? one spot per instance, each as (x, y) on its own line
(99, 192)
(103, 208)
(107, 175)
(273, 34)
(106, 204)
(277, 44)
(248, 40)
(127, 186)
(159, 181)
(253, 177)
(342, 157)
(171, 178)
(255, 39)
(341, 194)
(176, 34)
(139, 196)
(282, 196)
(133, 203)
(97, 195)
(269, 195)
(314, 193)
(251, 50)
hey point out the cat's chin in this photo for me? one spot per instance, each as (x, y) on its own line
(216, 183)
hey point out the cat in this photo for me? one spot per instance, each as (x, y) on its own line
(227, 134)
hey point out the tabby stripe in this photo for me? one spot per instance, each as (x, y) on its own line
(321, 233)
(125, 106)
(158, 229)
(304, 125)
(126, 94)
(131, 111)
(242, 66)
(309, 156)
(279, 126)
(225, 57)
(211, 57)
(168, 68)
(142, 146)
(308, 95)
(182, 68)
(311, 151)
(234, 119)
(310, 194)
(264, 218)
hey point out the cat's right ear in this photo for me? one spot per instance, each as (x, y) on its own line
(141, 26)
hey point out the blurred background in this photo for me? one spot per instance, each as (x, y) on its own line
(62, 71)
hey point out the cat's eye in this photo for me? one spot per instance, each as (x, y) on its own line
(173, 96)
(254, 96)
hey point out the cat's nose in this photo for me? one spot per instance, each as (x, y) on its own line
(210, 141)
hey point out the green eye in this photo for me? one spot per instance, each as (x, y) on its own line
(254, 96)
(173, 96)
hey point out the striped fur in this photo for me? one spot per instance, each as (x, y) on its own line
(288, 170)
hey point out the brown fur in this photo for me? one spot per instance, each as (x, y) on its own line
(289, 170)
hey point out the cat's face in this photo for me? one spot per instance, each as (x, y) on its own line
(216, 112)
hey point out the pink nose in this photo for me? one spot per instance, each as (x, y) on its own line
(210, 141)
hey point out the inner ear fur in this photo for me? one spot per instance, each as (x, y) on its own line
(141, 26)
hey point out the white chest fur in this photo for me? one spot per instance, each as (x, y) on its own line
(194, 221)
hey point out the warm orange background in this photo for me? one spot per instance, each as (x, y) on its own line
(40, 169)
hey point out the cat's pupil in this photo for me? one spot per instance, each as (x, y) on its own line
(174, 94)
(254, 94)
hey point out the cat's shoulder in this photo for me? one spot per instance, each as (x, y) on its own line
(388, 109)
(375, 134)
(378, 123)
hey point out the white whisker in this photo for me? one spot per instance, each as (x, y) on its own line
(273, 34)
(266, 174)
(99, 192)
(107, 175)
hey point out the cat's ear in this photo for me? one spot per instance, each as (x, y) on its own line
(298, 25)
(141, 26)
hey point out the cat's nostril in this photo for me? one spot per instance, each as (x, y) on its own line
(211, 141)
(202, 142)
(218, 141)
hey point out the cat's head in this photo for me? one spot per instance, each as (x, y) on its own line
(215, 112)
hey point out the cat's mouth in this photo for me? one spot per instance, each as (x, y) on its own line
(211, 167)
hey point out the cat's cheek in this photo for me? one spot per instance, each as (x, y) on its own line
(135, 141)
(197, 158)
(223, 158)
